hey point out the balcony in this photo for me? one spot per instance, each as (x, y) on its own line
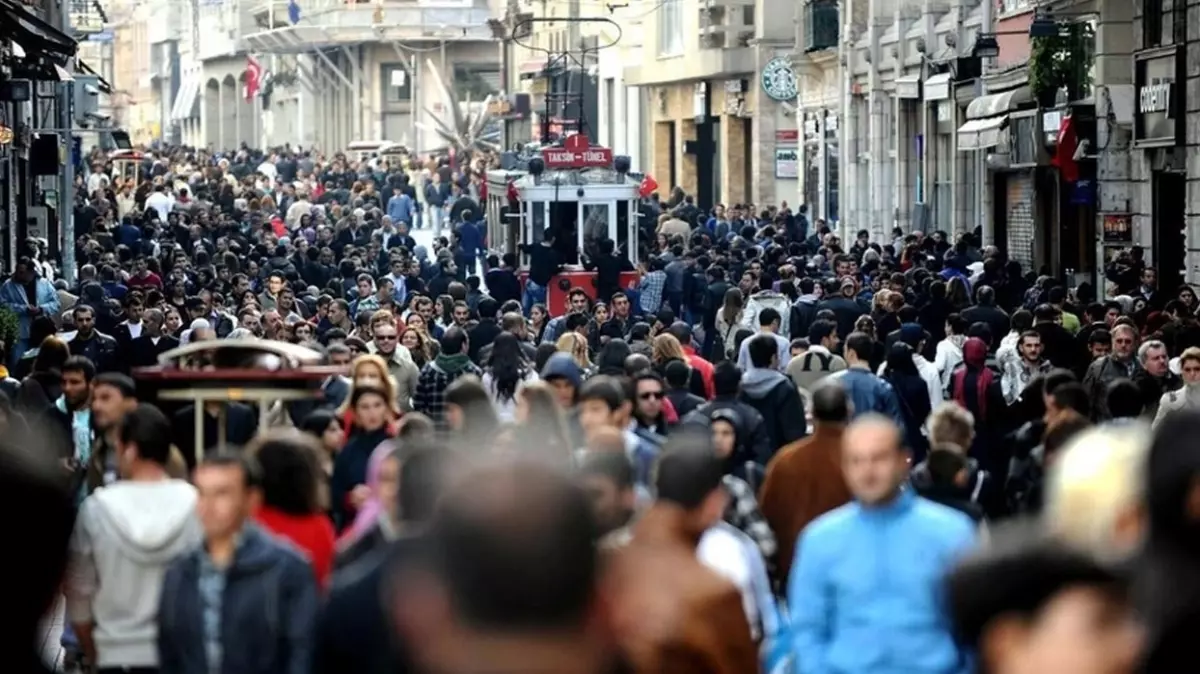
(726, 25)
(332, 23)
(822, 29)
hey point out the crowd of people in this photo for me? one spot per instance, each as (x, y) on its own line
(777, 451)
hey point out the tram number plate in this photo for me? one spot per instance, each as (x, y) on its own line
(559, 158)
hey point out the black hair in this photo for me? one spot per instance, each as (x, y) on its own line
(604, 388)
(830, 403)
(149, 429)
(252, 474)
(1072, 396)
(677, 373)
(1123, 399)
(291, 472)
(762, 350)
(576, 320)
(688, 470)
(860, 343)
(526, 559)
(768, 316)
(1019, 574)
(81, 364)
(453, 341)
(944, 464)
(819, 330)
(726, 378)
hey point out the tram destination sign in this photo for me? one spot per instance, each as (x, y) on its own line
(575, 153)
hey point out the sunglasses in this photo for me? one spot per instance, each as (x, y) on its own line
(386, 338)
(656, 395)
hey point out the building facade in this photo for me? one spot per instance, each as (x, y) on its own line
(720, 89)
(1149, 176)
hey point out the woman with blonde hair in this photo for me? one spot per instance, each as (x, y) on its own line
(371, 371)
(665, 349)
(576, 345)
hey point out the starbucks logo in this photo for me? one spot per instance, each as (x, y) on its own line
(779, 80)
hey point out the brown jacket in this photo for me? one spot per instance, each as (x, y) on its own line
(673, 615)
(803, 482)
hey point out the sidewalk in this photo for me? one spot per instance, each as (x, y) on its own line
(51, 633)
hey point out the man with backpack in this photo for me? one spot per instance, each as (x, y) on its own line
(819, 361)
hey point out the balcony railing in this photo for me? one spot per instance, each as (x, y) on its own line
(822, 25)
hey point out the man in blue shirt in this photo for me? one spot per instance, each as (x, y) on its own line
(400, 207)
(865, 591)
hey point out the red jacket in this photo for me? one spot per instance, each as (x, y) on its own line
(705, 369)
(312, 534)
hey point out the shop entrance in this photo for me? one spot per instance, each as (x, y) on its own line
(1170, 251)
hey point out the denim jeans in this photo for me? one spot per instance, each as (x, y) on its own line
(437, 216)
(534, 294)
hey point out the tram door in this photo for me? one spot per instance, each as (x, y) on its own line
(599, 220)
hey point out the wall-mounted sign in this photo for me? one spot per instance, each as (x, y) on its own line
(787, 163)
(1118, 228)
(779, 80)
(1158, 118)
(512, 106)
(787, 137)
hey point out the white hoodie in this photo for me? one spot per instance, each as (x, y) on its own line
(126, 535)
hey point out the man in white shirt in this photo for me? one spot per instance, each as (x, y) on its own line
(161, 202)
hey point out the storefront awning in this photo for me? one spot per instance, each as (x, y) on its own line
(908, 87)
(531, 68)
(33, 35)
(998, 104)
(980, 134)
(85, 69)
(937, 87)
(185, 99)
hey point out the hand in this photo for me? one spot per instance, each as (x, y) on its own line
(359, 496)
(35, 310)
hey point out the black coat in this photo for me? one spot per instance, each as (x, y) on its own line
(353, 632)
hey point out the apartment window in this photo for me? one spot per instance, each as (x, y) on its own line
(1152, 23)
(397, 84)
(670, 28)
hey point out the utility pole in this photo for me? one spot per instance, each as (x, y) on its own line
(980, 158)
(66, 191)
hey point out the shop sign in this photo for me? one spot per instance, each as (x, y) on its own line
(1158, 118)
(787, 137)
(1118, 228)
(779, 80)
(787, 163)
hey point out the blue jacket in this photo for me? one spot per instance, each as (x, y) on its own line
(268, 612)
(12, 295)
(865, 592)
(870, 393)
(400, 209)
(472, 240)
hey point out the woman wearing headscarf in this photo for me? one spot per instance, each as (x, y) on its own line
(913, 393)
(977, 389)
(374, 524)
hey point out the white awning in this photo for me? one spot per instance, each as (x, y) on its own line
(908, 87)
(998, 104)
(980, 134)
(185, 100)
(937, 87)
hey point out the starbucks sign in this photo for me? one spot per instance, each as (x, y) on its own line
(779, 80)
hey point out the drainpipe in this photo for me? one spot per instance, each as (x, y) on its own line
(845, 49)
(981, 175)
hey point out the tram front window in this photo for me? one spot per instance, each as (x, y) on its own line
(595, 228)
(564, 222)
(623, 249)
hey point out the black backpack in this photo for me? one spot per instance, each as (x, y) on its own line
(826, 362)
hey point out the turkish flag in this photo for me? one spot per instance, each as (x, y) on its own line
(1064, 154)
(647, 187)
(253, 77)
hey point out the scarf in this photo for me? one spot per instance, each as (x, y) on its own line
(452, 364)
(974, 362)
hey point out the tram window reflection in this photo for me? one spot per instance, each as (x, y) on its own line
(564, 220)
